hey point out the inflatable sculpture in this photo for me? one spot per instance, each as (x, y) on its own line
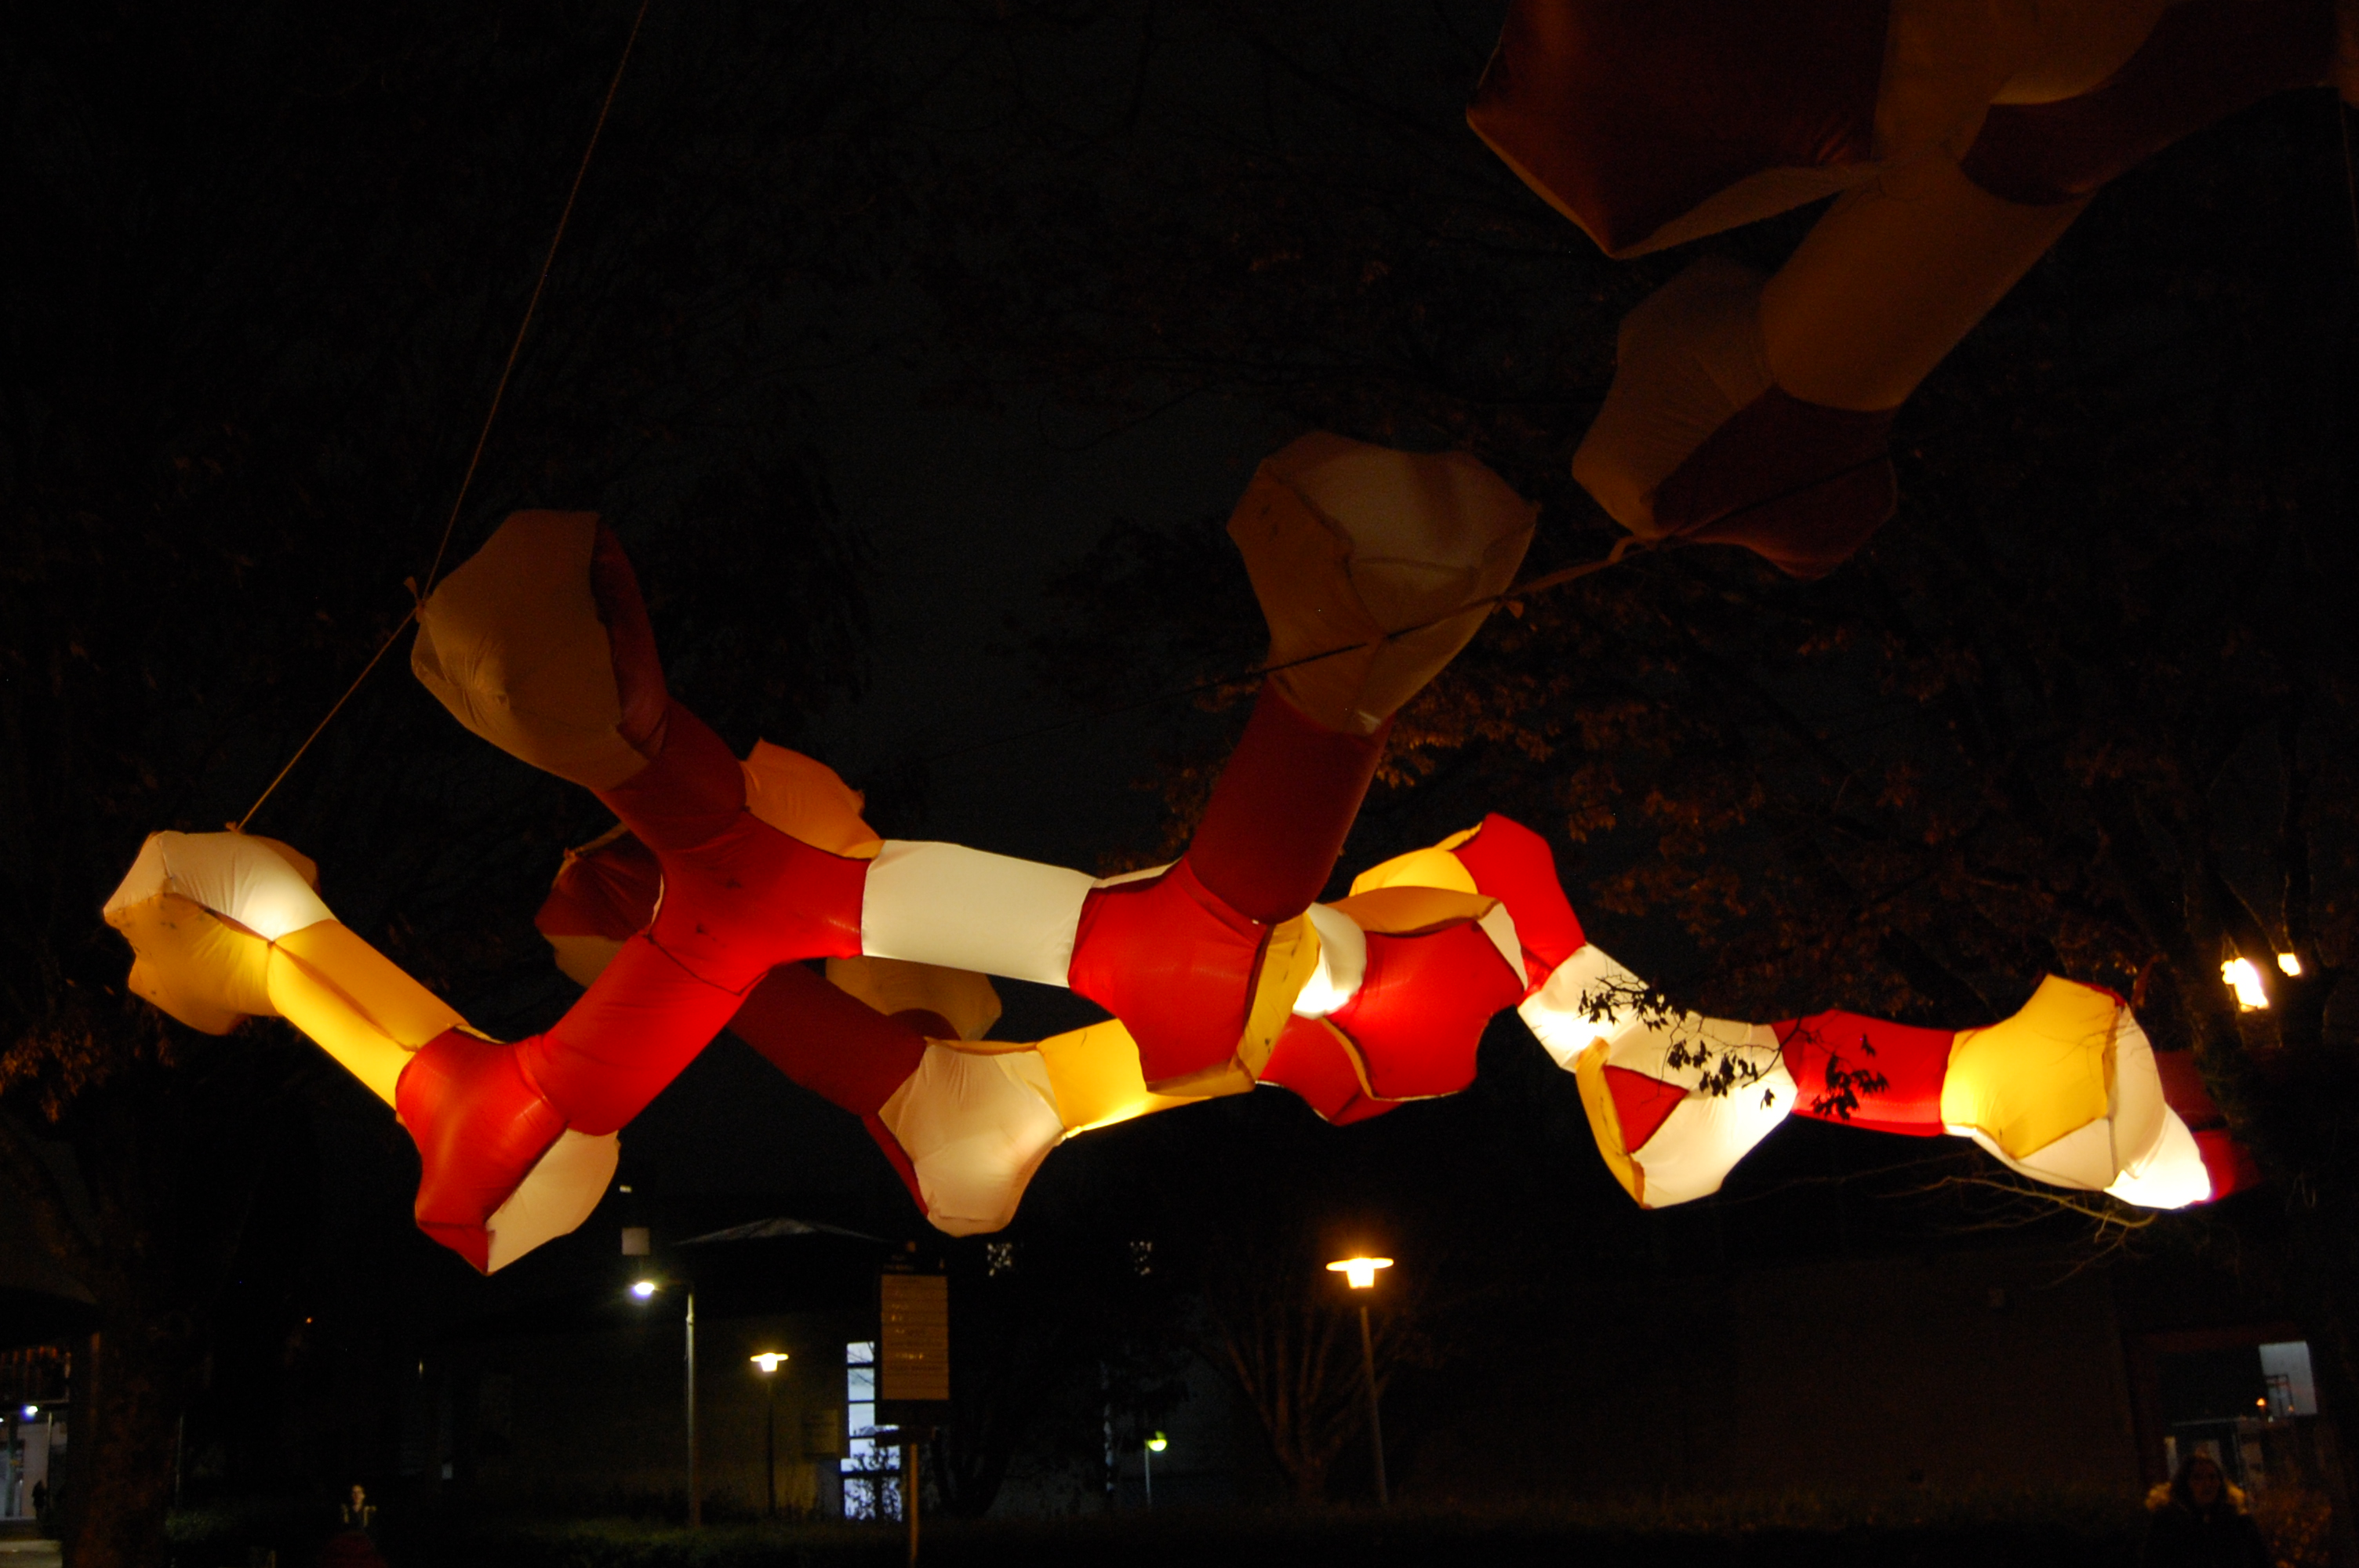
(1959, 139)
(727, 879)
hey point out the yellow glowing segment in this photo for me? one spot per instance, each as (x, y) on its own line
(2045, 1072)
(1436, 868)
(1096, 1078)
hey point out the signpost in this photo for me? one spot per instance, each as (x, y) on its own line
(913, 1371)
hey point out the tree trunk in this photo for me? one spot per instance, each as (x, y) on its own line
(123, 1437)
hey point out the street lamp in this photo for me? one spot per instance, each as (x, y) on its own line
(1360, 1274)
(1154, 1445)
(768, 1361)
(645, 1291)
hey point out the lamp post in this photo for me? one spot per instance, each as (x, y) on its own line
(1360, 1274)
(645, 1291)
(768, 1362)
(1154, 1445)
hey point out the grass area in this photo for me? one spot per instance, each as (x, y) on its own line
(1915, 1530)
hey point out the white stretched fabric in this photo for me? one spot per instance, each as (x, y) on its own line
(1558, 1011)
(1420, 523)
(1691, 1152)
(2171, 1175)
(1500, 927)
(1343, 963)
(228, 873)
(1706, 1134)
(976, 1128)
(556, 1196)
(964, 909)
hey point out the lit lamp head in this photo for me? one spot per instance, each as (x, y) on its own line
(643, 1290)
(767, 1360)
(1157, 1443)
(32, 1411)
(1360, 1273)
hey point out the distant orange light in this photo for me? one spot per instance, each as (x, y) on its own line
(1359, 1273)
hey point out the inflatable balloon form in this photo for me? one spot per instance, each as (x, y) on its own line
(1959, 138)
(726, 879)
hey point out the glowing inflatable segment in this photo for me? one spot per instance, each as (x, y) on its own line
(974, 1128)
(1709, 1131)
(514, 645)
(555, 1197)
(804, 798)
(2096, 1156)
(1363, 548)
(1588, 1000)
(1342, 961)
(2172, 1175)
(260, 883)
(2048, 1071)
(210, 966)
(960, 998)
(964, 909)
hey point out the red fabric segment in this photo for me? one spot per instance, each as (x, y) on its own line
(1419, 1014)
(1631, 114)
(1175, 964)
(2183, 1090)
(639, 672)
(479, 1127)
(2203, 62)
(1641, 1105)
(643, 1019)
(1279, 815)
(1801, 485)
(1312, 1062)
(2228, 1163)
(827, 1040)
(1512, 864)
(739, 895)
(1913, 1062)
(688, 795)
(899, 1158)
(609, 891)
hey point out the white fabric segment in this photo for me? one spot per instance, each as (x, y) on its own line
(1342, 962)
(1148, 875)
(1419, 522)
(1500, 927)
(2082, 1159)
(1706, 1134)
(228, 873)
(1559, 1014)
(556, 1195)
(2171, 1175)
(964, 909)
(976, 1128)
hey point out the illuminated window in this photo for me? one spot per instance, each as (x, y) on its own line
(872, 1479)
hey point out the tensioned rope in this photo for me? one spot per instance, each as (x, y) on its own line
(418, 592)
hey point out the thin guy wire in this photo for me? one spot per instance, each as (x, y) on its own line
(532, 305)
(474, 459)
